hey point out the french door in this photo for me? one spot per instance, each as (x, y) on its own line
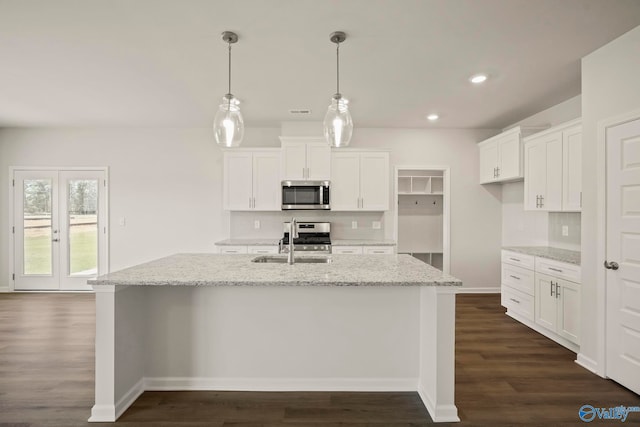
(59, 228)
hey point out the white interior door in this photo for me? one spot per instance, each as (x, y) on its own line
(623, 249)
(60, 228)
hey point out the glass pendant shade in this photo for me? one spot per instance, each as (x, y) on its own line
(228, 125)
(338, 125)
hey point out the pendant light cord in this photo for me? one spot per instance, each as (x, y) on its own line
(229, 91)
(338, 68)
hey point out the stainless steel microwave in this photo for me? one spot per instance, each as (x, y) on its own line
(305, 195)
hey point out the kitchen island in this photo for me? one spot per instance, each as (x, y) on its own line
(222, 322)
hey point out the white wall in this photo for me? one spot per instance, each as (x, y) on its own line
(167, 183)
(610, 87)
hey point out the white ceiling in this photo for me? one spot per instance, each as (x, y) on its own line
(163, 63)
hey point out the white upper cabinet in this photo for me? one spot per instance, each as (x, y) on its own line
(252, 180)
(359, 181)
(572, 169)
(552, 170)
(501, 157)
(305, 159)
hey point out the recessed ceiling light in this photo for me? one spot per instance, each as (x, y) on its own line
(478, 78)
(432, 117)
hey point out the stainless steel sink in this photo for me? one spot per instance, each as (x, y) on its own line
(301, 260)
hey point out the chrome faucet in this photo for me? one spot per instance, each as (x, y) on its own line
(293, 233)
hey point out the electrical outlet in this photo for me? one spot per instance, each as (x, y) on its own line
(122, 221)
(375, 225)
(565, 230)
(354, 224)
(256, 224)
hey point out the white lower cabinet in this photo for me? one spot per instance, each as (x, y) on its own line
(363, 250)
(558, 306)
(251, 249)
(543, 294)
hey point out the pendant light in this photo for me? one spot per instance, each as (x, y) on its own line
(228, 125)
(338, 125)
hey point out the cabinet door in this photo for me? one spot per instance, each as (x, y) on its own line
(266, 181)
(345, 181)
(238, 181)
(374, 181)
(509, 157)
(488, 162)
(294, 161)
(318, 161)
(569, 310)
(572, 169)
(552, 198)
(535, 173)
(546, 307)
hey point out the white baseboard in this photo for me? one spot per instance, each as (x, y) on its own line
(588, 363)
(483, 290)
(5, 289)
(129, 397)
(280, 384)
(438, 413)
(110, 413)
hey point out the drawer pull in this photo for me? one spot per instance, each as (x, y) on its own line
(555, 269)
(515, 277)
(515, 300)
(514, 259)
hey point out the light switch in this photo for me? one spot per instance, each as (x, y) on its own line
(565, 230)
(354, 224)
(256, 224)
(122, 221)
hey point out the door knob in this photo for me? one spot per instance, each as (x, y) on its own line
(611, 265)
(55, 240)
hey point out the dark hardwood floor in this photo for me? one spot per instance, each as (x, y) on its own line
(506, 375)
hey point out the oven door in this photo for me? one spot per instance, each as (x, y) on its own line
(305, 195)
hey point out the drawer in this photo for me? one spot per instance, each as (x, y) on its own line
(517, 302)
(521, 260)
(262, 249)
(518, 278)
(233, 249)
(346, 250)
(558, 269)
(378, 250)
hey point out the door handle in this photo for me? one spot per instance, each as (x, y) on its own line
(611, 265)
(55, 240)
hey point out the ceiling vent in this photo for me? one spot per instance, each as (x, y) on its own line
(300, 112)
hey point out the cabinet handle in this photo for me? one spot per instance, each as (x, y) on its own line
(494, 173)
(515, 300)
(362, 202)
(541, 201)
(249, 202)
(551, 287)
(515, 277)
(498, 172)
(557, 290)
(555, 269)
(514, 259)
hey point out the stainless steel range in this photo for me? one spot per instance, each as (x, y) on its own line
(312, 237)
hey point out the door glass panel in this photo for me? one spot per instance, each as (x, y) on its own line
(37, 227)
(82, 220)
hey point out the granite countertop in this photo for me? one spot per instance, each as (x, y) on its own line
(274, 242)
(238, 270)
(556, 254)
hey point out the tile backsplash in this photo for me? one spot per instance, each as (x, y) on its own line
(571, 221)
(242, 224)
